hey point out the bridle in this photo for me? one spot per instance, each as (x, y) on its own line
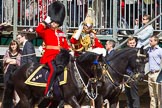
(123, 75)
(92, 94)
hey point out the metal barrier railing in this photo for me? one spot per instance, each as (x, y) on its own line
(153, 20)
(28, 13)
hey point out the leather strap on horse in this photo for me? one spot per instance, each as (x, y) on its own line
(107, 72)
(109, 76)
(53, 47)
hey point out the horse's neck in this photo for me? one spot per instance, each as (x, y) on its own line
(76, 76)
(117, 70)
(82, 72)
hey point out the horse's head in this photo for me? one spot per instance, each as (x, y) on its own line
(90, 67)
(141, 59)
(92, 63)
(62, 59)
(138, 66)
(127, 61)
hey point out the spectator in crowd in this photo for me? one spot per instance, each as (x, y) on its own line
(82, 6)
(155, 58)
(31, 12)
(85, 38)
(42, 48)
(98, 7)
(108, 11)
(11, 61)
(8, 11)
(54, 39)
(131, 92)
(149, 6)
(42, 7)
(4, 26)
(131, 14)
(110, 44)
(143, 36)
(28, 53)
(131, 42)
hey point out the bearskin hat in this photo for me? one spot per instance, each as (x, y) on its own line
(56, 11)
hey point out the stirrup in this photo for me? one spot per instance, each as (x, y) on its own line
(49, 94)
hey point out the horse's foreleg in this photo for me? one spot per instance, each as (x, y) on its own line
(24, 100)
(114, 103)
(20, 105)
(7, 101)
(73, 102)
(99, 102)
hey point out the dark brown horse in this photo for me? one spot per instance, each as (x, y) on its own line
(116, 69)
(83, 74)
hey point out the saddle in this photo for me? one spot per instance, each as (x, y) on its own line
(40, 75)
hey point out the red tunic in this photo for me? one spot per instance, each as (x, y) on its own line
(51, 38)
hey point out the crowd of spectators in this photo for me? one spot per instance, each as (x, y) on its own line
(141, 18)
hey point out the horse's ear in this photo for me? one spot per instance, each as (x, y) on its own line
(63, 50)
(100, 57)
(142, 50)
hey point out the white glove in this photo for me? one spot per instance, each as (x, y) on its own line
(48, 20)
(72, 53)
(81, 26)
(99, 51)
(30, 29)
(77, 35)
(40, 49)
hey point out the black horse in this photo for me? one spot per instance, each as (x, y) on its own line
(83, 74)
(115, 71)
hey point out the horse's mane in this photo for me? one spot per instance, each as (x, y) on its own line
(63, 57)
(121, 52)
(87, 56)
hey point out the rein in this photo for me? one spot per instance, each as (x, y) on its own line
(82, 70)
(85, 86)
(123, 75)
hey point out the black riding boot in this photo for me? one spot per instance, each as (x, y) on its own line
(50, 87)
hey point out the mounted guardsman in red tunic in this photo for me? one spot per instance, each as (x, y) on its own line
(84, 39)
(53, 37)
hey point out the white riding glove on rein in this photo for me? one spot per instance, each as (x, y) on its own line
(79, 31)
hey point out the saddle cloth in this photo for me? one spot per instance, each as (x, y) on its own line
(40, 75)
